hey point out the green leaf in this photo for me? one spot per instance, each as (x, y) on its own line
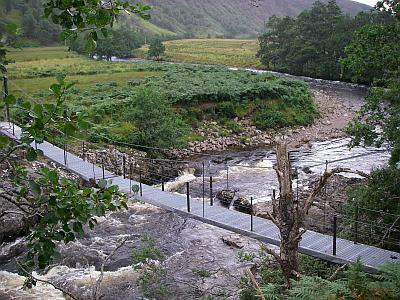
(10, 100)
(56, 89)
(90, 45)
(53, 176)
(102, 183)
(31, 154)
(38, 110)
(69, 237)
(69, 129)
(77, 227)
(35, 188)
(27, 105)
(135, 189)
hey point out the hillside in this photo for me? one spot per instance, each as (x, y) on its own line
(187, 18)
(229, 17)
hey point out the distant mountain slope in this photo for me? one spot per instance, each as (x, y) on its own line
(229, 17)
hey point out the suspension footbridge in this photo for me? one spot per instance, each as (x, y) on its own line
(322, 246)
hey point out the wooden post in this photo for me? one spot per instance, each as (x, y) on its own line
(187, 197)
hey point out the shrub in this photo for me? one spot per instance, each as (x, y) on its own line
(269, 118)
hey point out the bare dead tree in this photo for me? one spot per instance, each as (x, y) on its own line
(289, 214)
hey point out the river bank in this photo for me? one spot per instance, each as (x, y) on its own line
(336, 107)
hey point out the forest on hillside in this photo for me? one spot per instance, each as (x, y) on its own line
(313, 43)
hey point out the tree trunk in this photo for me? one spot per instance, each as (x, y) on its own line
(289, 215)
(286, 214)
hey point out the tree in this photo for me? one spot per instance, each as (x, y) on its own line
(94, 16)
(156, 49)
(289, 213)
(312, 43)
(156, 122)
(373, 57)
(117, 42)
(309, 44)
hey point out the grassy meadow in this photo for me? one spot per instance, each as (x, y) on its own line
(35, 69)
(157, 104)
(229, 52)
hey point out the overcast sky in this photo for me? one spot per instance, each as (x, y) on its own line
(369, 2)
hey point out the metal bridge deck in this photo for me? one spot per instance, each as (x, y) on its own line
(313, 243)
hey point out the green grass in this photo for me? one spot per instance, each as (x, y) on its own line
(35, 86)
(155, 29)
(230, 52)
(35, 69)
(40, 54)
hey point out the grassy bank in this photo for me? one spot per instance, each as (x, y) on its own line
(161, 104)
(229, 52)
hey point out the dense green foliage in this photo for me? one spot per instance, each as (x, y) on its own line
(156, 49)
(42, 21)
(374, 56)
(117, 42)
(377, 207)
(318, 283)
(156, 108)
(373, 53)
(312, 43)
(28, 15)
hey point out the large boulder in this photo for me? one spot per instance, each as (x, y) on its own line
(225, 197)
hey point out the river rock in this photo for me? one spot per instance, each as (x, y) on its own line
(234, 240)
(225, 197)
(242, 204)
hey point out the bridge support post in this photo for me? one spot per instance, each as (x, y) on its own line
(204, 190)
(251, 214)
(130, 178)
(334, 234)
(83, 151)
(124, 166)
(356, 225)
(140, 183)
(211, 191)
(187, 196)
(65, 154)
(102, 167)
(162, 179)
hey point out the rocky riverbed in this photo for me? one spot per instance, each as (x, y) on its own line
(200, 260)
